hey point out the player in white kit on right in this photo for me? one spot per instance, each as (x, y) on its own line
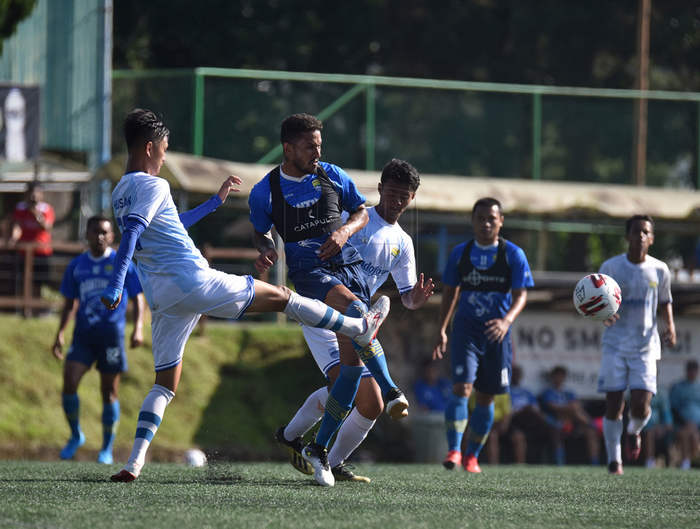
(177, 281)
(631, 342)
(385, 249)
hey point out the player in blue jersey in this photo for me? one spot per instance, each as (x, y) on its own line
(304, 199)
(177, 281)
(487, 277)
(385, 249)
(98, 336)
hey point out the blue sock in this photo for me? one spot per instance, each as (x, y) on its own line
(110, 422)
(480, 424)
(71, 406)
(372, 355)
(339, 402)
(456, 415)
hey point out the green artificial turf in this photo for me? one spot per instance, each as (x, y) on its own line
(401, 495)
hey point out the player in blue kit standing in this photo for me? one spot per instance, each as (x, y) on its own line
(177, 281)
(488, 277)
(385, 249)
(304, 199)
(98, 336)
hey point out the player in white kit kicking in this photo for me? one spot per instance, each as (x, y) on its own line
(631, 343)
(385, 249)
(177, 281)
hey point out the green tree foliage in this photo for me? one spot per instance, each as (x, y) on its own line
(12, 12)
(573, 43)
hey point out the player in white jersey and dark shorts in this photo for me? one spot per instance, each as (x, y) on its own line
(385, 249)
(177, 281)
(631, 343)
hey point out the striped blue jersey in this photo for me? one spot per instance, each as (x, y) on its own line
(84, 279)
(168, 263)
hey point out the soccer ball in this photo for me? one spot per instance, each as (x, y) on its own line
(194, 457)
(597, 297)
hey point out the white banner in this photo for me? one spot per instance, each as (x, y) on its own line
(542, 340)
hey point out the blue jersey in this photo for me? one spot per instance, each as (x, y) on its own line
(558, 397)
(521, 398)
(302, 193)
(479, 307)
(85, 279)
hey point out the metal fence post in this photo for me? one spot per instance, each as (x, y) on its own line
(198, 131)
(536, 136)
(370, 124)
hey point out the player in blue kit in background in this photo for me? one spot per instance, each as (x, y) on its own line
(304, 199)
(98, 336)
(489, 277)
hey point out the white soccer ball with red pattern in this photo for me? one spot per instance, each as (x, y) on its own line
(597, 297)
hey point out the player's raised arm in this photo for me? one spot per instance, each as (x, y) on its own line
(112, 294)
(419, 295)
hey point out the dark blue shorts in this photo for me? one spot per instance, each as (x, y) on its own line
(315, 283)
(107, 351)
(478, 361)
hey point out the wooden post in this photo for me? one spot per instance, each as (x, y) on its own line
(639, 147)
(28, 280)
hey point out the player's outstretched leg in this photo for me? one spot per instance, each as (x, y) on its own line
(362, 328)
(71, 407)
(293, 449)
(352, 432)
(150, 417)
(372, 355)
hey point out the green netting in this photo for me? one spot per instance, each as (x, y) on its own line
(443, 131)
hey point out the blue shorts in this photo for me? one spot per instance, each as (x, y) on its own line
(478, 361)
(108, 351)
(315, 283)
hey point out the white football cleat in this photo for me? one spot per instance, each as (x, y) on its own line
(374, 318)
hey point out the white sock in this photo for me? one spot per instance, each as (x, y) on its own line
(315, 313)
(612, 431)
(353, 431)
(150, 417)
(309, 414)
(635, 425)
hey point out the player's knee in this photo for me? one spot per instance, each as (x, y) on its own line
(370, 408)
(462, 390)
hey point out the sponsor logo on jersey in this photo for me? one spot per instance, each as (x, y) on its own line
(653, 284)
(315, 222)
(372, 270)
(395, 251)
(325, 279)
(476, 278)
(109, 268)
(316, 183)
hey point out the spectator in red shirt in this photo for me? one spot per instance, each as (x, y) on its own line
(32, 221)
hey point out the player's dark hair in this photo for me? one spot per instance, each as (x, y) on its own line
(634, 218)
(96, 219)
(141, 126)
(487, 202)
(296, 125)
(402, 172)
(558, 370)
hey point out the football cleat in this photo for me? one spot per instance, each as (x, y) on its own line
(317, 455)
(105, 457)
(633, 447)
(342, 472)
(396, 404)
(471, 464)
(292, 450)
(615, 468)
(129, 473)
(72, 446)
(374, 318)
(453, 460)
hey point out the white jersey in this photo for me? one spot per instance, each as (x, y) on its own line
(644, 287)
(169, 264)
(385, 249)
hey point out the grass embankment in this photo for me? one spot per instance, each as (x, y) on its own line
(240, 382)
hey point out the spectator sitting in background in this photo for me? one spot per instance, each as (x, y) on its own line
(565, 412)
(32, 221)
(656, 432)
(501, 424)
(685, 405)
(432, 391)
(527, 420)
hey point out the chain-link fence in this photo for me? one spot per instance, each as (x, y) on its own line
(442, 127)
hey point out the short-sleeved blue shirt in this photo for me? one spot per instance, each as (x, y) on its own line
(479, 307)
(559, 398)
(85, 279)
(302, 193)
(521, 398)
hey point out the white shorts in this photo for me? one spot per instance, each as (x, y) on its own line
(616, 371)
(219, 294)
(324, 346)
